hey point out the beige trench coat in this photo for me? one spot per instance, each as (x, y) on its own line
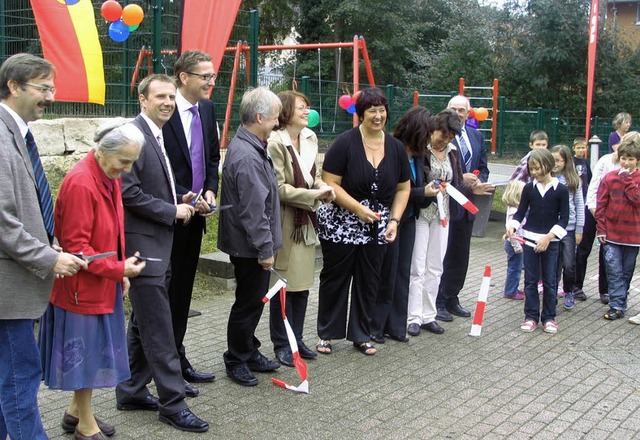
(296, 261)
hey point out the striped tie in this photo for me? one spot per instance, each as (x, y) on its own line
(466, 152)
(44, 193)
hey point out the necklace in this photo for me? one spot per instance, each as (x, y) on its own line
(374, 148)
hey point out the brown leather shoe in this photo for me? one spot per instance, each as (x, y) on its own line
(70, 422)
(77, 435)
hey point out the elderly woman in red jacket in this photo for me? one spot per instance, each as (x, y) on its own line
(82, 339)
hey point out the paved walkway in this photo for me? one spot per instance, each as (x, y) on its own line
(579, 384)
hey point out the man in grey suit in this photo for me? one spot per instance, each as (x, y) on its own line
(28, 262)
(151, 210)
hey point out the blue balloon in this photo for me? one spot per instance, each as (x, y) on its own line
(352, 108)
(71, 2)
(118, 31)
(473, 123)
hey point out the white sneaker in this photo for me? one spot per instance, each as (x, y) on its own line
(635, 319)
(550, 327)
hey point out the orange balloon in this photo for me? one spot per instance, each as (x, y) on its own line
(132, 15)
(481, 114)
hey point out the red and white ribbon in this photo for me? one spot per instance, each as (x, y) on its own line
(476, 327)
(460, 198)
(298, 362)
(523, 241)
(441, 213)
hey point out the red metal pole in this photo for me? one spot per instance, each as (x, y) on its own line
(461, 86)
(416, 96)
(356, 73)
(494, 118)
(232, 89)
(367, 63)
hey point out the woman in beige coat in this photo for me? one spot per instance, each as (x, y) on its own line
(294, 149)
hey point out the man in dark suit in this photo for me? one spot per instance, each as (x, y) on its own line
(191, 140)
(28, 262)
(473, 157)
(151, 210)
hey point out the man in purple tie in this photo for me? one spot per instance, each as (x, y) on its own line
(191, 140)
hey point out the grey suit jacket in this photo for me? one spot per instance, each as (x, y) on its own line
(26, 258)
(149, 211)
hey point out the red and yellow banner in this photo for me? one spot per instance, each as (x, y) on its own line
(206, 26)
(70, 41)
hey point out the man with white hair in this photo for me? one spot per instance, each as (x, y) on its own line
(250, 230)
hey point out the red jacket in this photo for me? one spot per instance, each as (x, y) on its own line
(618, 208)
(87, 223)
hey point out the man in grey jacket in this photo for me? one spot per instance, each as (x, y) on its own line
(250, 231)
(28, 262)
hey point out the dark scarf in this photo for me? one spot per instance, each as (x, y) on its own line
(301, 217)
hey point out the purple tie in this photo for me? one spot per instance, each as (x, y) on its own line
(197, 151)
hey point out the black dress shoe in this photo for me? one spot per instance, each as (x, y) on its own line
(306, 352)
(377, 339)
(413, 329)
(444, 315)
(241, 375)
(262, 364)
(193, 376)
(458, 310)
(190, 390)
(149, 403)
(604, 298)
(285, 357)
(185, 420)
(399, 338)
(432, 327)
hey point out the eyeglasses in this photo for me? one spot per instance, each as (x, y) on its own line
(45, 90)
(302, 109)
(205, 76)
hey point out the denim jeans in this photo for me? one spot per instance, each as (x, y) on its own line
(545, 263)
(620, 262)
(514, 269)
(20, 376)
(567, 262)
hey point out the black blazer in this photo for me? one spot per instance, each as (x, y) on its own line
(149, 210)
(175, 142)
(417, 199)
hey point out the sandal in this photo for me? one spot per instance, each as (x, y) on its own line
(365, 348)
(324, 346)
(613, 314)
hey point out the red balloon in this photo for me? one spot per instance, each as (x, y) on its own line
(345, 102)
(132, 15)
(111, 10)
(481, 114)
(471, 113)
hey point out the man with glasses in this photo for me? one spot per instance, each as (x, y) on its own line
(250, 230)
(28, 262)
(193, 147)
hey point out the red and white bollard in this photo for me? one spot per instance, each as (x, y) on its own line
(476, 327)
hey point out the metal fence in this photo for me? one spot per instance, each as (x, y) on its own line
(18, 33)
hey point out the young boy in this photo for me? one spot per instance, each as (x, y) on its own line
(538, 139)
(582, 163)
(617, 219)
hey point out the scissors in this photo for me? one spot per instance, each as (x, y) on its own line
(141, 258)
(90, 258)
(214, 208)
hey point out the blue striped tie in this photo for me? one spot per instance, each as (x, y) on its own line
(466, 153)
(44, 193)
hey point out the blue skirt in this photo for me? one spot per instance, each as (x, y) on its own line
(84, 351)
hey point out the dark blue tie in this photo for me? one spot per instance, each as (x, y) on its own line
(44, 193)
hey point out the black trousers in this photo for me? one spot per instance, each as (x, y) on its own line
(150, 342)
(390, 314)
(456, 263)
(187, 240)
(582, 254)
(252, 283)
(295, 309)
(360, 266)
